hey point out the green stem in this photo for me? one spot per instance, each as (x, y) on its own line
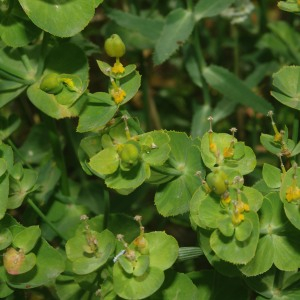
(19, 154)
(58, 154)
(167, 171)
(44, 218)
(202, 65)
(190, 4)
(263, 16)
(25, 60)
(236, 50)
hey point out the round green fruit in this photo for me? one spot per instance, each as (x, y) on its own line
(130, 154)
(114, 46)
(51, 84)
(216, 181)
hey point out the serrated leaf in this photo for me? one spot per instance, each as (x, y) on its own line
(146, 28)
(234, 89)
(208, 8)
(169, 40)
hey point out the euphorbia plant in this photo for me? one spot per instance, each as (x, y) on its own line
(67, 229)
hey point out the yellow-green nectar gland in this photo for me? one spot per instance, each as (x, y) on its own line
(70, 84)
(229, 151)
(118, 67)
(239, 207)
(140, 242)
(293, 191)
(277, 134)
(212, 145)
(117, 92)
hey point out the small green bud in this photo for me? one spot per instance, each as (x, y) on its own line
(114, 46)
(51, 84)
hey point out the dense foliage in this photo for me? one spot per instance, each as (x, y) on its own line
(149, 149)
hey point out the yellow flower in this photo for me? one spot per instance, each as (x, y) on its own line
(292, 193)
(118, 68)
(118, 94)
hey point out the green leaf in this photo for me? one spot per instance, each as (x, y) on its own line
(191, 64)
(27, 238)
(286, 86)
(4, 190)
(207, 8)
(291, 208)
(64, 60)
(243, 231)
(253, 197)
(142, 265)
(16, 30)
(272, 176)
(226, 227)
(169, 40)
(176, 286)
(130, 84)
(172, 198)
(99, 110)
(132, 287)
(5, 238)
(163, 249)
(158, 151)
(19, 189)
(213, 285)
(105, 162)
(234, 89)
(289, 6)
(60, 23)
(126, 181)
(143, 28)
(261, 262)
(231, 249)
(84, 259)
(223, 267)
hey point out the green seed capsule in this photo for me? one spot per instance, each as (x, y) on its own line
(216, 181)
(51, 84)
(114, 46)
(130, 154)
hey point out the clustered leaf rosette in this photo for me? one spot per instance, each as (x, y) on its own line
(223, 207)
(125, 158)
(59, 90)
(23, 251)
(88, 250)
(16, 182)
(139, 270)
